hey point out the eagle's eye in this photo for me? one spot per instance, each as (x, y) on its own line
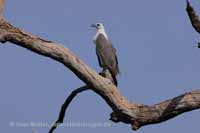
(98, 25)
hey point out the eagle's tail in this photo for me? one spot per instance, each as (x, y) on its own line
(113, 77)
(115, 80)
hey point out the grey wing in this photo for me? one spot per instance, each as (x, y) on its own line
(106, 54)
(115, 63)
(116, 59)
(98, 53)
(101, 50)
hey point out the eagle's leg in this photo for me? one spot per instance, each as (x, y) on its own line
(106, 74)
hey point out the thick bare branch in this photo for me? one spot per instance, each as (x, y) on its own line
(123, 111)
(65, 106)
(168, 109)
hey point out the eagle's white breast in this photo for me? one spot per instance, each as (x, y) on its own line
(99, 31)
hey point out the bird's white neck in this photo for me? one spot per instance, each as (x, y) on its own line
(100, 31)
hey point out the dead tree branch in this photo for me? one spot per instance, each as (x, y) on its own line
(137, 115)
(65, 106)
(194, 19)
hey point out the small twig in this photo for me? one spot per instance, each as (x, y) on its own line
(65, 106)
(194, 19)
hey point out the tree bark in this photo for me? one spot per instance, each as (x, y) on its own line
(137, 115)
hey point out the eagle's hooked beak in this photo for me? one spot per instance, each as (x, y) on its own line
(94, 25)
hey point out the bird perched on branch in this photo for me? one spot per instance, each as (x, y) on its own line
(106, 53)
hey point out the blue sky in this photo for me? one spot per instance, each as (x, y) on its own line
(157, 57)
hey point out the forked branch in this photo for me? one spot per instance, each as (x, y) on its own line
(65, 106)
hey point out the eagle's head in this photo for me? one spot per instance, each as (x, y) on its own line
(98, 26)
